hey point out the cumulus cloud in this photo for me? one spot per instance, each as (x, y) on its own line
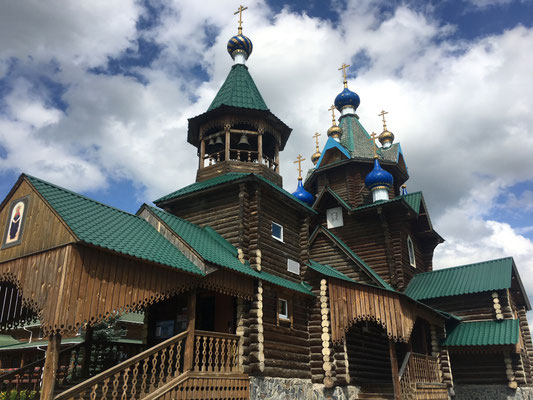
(461, 109)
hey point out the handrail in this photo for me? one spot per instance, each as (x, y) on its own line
(119, 367)
(217, 334)
(31, 366)
(404, 363)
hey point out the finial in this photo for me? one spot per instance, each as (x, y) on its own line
(315, 136)
(374, 137)
(404, 190)
(343, 67)
(382, 115)
(298, 161)
(239, 11)
(334, 131)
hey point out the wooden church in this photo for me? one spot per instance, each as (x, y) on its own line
(249, 291)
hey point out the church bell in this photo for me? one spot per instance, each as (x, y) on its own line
(218, 143)
(243, 143)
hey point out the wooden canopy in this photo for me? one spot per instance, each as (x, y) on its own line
(353, 302)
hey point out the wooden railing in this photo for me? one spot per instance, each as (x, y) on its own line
(420, 378)
(73, 365)
(210, 353)
(215, 352)
(425, 368)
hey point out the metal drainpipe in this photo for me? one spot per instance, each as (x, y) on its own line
(31, 333)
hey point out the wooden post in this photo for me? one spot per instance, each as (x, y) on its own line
(394, 368)
(189, 345)
(202, 153)
(276, 158)
(227, 142)
(50, 367)
(87, 351)
(260, 146)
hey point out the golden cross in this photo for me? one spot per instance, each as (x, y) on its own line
(343, 67)
(332, 109)
(239, 11)
(298, 161)
(374, 136)
(315, 136)
(382, 115)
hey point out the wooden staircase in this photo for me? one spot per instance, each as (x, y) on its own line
(377, 392)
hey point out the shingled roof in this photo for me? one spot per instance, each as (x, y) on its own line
(110, 228)
(239, 90)
(465, 279)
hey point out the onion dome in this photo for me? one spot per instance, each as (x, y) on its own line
(386, 138)
(302, 194)
(378, 178)
(335, 132)
(315, 157)
(347, 98)
(240, 44)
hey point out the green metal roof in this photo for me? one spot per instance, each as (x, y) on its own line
(413, 200)
(239, 90)
(107, 227)
(359, 259)
(328, 271)
(64, 341)
(215, 249)
(472, 278)
(229, 177)
(484, 333)
(132, 318)
(7, 340)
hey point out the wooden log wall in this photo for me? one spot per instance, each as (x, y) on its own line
(325, 252)
(286, 343)
(220, 210)
(42, 229)
(74, 285)
(256, 331)
(315, 332)
(528, 345)
(352, 303)
(473, 307)
(481, 369)
(368, 354)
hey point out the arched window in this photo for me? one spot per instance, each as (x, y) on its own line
(411, 251)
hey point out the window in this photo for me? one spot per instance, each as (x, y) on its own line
(293, 266)
(411, 250)
(334, 217)
(277, 231)
(283, 309)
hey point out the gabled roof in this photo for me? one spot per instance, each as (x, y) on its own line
(465, 279)
(328, 271)
(331, 144)
(109, 228)
(326, 189)
(343, 246)
(239, 90)
(413, 200)
(484, 333)
(225, 178)
(215, 249)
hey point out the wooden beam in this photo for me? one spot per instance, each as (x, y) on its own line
(50, 367)
(189, 344)
(202, 153)
(394, 368)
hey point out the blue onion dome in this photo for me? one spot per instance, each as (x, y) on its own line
(302, 194)
(347, 98)
(378, 177)
(240, 44)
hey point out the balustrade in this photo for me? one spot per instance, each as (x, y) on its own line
(420, 369)
(215, 352)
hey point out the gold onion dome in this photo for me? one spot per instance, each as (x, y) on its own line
(386, 137)
(315, 157)
(334, 131)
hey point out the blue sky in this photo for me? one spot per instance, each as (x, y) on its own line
(95, 97)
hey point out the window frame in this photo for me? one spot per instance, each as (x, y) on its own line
(283, 317)
(280, 239)
(411, 251)
(295, 263)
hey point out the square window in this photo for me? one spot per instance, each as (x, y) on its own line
(277, 231)
(293, 266)
(283, 309)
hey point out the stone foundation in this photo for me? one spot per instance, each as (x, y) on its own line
(302, 389)
(491, 392)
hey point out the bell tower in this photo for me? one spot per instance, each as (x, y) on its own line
(238, 133)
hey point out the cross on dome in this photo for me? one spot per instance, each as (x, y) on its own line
(239, 11)
(344, 67)
(298, 161)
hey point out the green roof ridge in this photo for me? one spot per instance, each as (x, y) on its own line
(239, 90)
(110, 228)
(436, 271)
(360, 260)
(327, 270)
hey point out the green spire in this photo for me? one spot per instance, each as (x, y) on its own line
(239, 90)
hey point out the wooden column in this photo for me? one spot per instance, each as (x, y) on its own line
(276, 158)
(87, 351)
(202, 153)
(227, 142)
(260, 146)
(50, 367)
(394, 368)
(189, 345)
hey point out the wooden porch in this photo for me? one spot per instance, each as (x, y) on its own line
(420, 378)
